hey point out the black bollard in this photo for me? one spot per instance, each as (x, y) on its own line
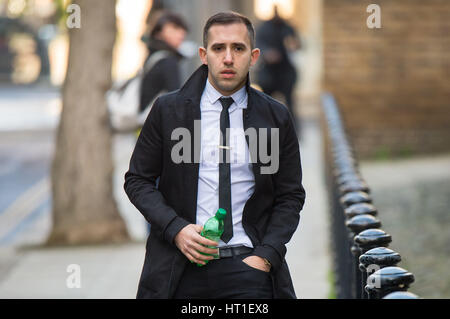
(356, 225)
(360, 209)
(401, 295)
(381, 256)
(368, 239)
(375, 259)
(354, 197)
(359, 223)
(387, 280)
(371, 238)
(354, 186)
(348, 178)
(343, 169)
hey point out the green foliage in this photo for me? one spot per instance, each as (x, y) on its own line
(61, 13)
(332, 282)
(384, 153)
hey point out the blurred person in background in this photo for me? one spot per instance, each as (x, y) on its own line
(276, 72)
(165, 38)
(161, 67)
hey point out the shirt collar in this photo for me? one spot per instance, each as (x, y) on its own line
(239, 97)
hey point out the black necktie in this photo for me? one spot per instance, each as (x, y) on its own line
(224, 169)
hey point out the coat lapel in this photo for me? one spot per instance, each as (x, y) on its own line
(189, 100)
(250, 119)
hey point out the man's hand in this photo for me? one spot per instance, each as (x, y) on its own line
(189, 242)
(257, 262)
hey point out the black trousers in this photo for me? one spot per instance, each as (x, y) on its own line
(226, 278)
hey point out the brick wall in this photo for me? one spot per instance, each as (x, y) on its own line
(393, 83)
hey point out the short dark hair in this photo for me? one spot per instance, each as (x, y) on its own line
(168, 17)
(229, 18)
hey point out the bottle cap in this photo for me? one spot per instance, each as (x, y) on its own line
(221, 213)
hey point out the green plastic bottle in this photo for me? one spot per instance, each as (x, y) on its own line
(213, 229)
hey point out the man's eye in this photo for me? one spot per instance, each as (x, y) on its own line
(239, 49)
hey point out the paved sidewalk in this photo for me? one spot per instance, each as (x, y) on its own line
(105, 272)
(113, 271)
(308, 254)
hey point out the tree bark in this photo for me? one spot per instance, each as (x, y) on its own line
(84, 209)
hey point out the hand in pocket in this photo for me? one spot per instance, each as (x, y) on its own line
(257, 263)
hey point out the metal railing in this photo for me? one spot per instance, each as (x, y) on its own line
(364, 267)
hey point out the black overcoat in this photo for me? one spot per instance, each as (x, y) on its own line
(270, 216)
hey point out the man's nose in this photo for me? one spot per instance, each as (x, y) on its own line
(228, 57)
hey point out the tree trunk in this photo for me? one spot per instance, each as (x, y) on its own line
(84, 209)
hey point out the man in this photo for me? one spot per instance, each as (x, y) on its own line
(166, 36)
(262, 208)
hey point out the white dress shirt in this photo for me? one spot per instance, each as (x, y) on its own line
(242, 178)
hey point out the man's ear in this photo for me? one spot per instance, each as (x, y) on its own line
(202, 55)
(255, 55)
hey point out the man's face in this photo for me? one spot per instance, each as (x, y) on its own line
(229, 56)
(172, 34)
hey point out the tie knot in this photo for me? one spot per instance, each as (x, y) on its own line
(226, 102)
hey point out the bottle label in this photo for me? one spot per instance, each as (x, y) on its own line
(213, 238)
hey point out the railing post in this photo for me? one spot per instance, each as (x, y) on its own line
(356, 225)
(348, 184)
(380, 257)
(346, 167)
(351, 204)
(360, 209)
(401, 295)
(366, 240)
(387, 280)
(351, 198)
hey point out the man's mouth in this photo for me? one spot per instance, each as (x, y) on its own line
(228, 74)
